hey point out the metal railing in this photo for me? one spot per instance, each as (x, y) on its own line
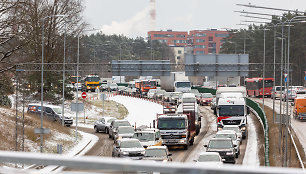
(123, 165)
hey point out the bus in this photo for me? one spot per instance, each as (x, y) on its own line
(254, 86)
(144, 86)
(91, 83)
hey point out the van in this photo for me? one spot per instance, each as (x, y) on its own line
(277, 92)
(149, 137)
(299, 111)
(52, 112)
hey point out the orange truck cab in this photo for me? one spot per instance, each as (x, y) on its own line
(299, 112)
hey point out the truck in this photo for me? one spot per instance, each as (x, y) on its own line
(231, 108)
(91, 83)
(176, 82)
(143, 86)
(299, 111)
(190, 107)
(176, 129)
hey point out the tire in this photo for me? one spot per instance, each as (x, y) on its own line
(109, 136)
(106, 131)
(186, 147)
(96, 129)
(191, 141)
(237, 155)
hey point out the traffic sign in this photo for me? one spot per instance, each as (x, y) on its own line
(305, 78)
(77, 107)
(285, 74)
(84, 95)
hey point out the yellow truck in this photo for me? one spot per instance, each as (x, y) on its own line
(299, 111)
(91, 83)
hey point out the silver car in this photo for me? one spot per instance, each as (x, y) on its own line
(103, 124)
(158, 153)
(114, 126)
(128, 148)
(124, 132)
(233, 136)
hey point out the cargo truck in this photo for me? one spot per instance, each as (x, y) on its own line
(231, 108)
(176, 82)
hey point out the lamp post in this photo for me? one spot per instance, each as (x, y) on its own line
(63, 104)
(42, 78)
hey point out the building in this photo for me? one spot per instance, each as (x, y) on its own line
(171, 38)
(201, 41)
(179, 55)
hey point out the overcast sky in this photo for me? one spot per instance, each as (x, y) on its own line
(131, 17)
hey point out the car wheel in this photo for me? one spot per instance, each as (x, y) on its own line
(96, 129)
(109, 136)
(237, 155)
(106, 130)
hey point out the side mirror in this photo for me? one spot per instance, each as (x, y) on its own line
(117, 147)
(195, 160)
(170, 154)
(235, 145)
(205, 145)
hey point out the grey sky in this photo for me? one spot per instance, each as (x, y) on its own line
(131, 17)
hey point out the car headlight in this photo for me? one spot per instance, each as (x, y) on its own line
(229, 153)
(220, 128)
(125, 153)
(143, 152)
(243, 128)
(164, 161)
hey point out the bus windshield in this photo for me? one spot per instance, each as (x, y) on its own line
(268, 83)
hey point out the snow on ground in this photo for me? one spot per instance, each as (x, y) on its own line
(298, 126)
(141, 112)
(251, 153)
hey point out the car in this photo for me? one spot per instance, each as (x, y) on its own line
(104, 87)
(234, 128)
(149, 137)
(159, 94)
(205, 99)
(121, 89)
(124, 132)
(233, 136)
(113, 87)
(52, 112)
(167, 96)
(157, 153)
(71, 86)
(114, 126)
(196, 92)
(213, 103)
(103, 124)
(277, 92)
(225, 148)
(128, 148)
(209, 158)
(174, 97)
(78, 86)
(151, 93)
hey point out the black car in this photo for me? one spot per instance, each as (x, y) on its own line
(225, 148)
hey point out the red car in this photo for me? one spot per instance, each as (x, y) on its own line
(205, 99)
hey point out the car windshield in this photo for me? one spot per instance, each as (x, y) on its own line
(220, 144)
(58, 110)
(121, 123)
(144, 136)
(130, 144)
(231, 136)
(113, 85)
(110, 120)
(171, 124)
(209, 158)
(231, 110)
(183, 84)
(125, 130)
(176, 94)
(236, 129)
(279, 88)
(207, 95)
(155, 152)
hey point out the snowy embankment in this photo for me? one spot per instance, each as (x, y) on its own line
(141, 111)
(298, 126)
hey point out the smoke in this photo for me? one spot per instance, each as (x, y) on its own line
(138, 25)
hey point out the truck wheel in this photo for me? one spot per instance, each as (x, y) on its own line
(186, 147)
(197, 131)
(191, 141)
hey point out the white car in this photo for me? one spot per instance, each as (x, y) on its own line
(234, 128)
(151, 93)
(209, 158)
(233, 136)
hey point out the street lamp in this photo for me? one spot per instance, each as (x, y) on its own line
(42, 78)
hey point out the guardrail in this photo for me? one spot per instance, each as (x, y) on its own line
(108, 165)
(261, 115)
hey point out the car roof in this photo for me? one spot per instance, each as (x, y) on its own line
(157, 147)
(221, 139)
(226, 132)
(125, 127)
(209, 153)
(128, 139)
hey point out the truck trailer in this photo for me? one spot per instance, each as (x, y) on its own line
(176, 82)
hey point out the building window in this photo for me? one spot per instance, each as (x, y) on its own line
(210, 39)
(222, 35)
(212, 50)
(199, 46)
(200, 40)
(178, 57)
(180, 35)
(179, 52)
(212, 45)
(199, 52)
(200, 34)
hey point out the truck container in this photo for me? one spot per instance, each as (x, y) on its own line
(176, 82)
